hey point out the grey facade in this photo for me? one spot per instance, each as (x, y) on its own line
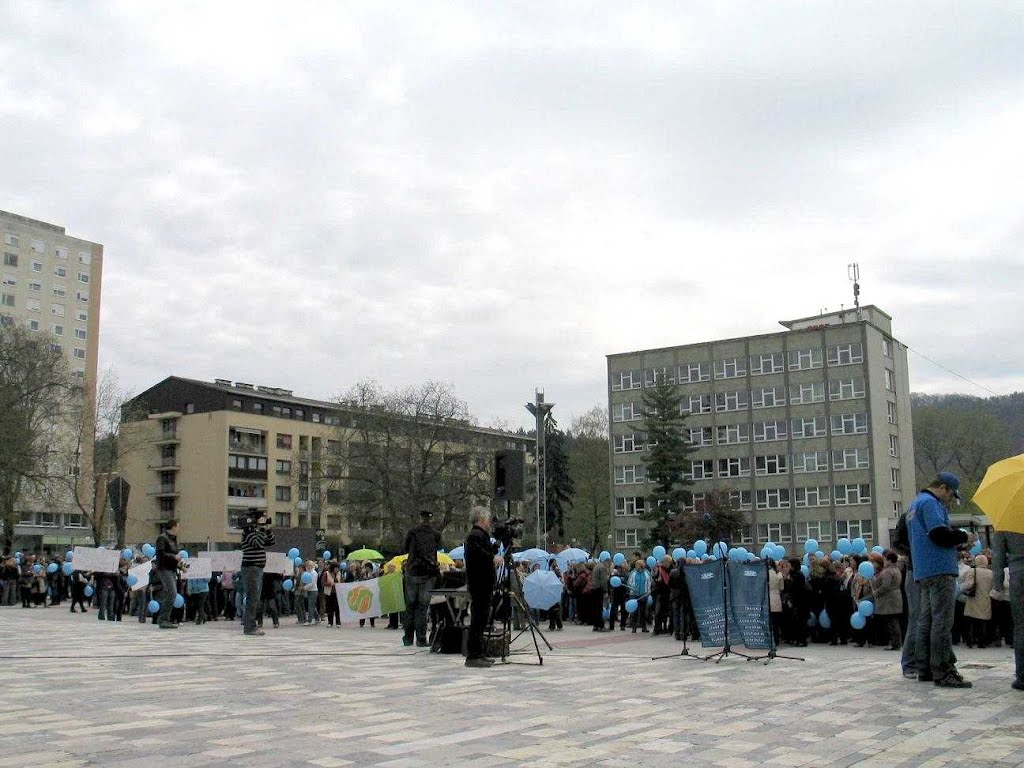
(807, 429)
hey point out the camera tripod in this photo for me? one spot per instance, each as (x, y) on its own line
(507, 595)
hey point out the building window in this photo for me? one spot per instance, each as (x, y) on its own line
(852, 494)
(781, 533)
(732, 368)
(82, 316)
(854, 529)
(630, 474)
(37, 266)
(80, 354)
(12, 239)
(810, 461)
(890, 412)
(83, 297)
(890, 380)
(61, 271)
(887, 346)
(690, 373)
(631, 442)
(849, 423)
(61, 253)
(35, 287)
(803, 394)
(286, 412)
(283, 519)
(845, 389)
(80, 334)
(654, 375)
(629, 506)
(765, 363)
(33, 325)
(702, 469)
(773, 498)
(731, 434)
(7, 299)
(84, 257)
(627, 537)
(696, 404)
(10, 259)
(804, 359)
(734, 467)
(10, 280)
(74, 520)
(731, 401)
(741, 500)
(894, 445)
(257, 407)
(766, 431)
(83, 277)
(819, 530)
(774, 464)
(814, 496)
(810, 426)
(850, 458)
(58, 330)
(299, 414)
(57, 310)
(846, 354)
(897, 507)
(625, 380)
(282, 493)
(895, 476)
(59, 292)
(700, 436)
(769, 397)
(284, 441)
(631, 411)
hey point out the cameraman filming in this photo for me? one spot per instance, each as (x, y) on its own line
(480, 573)
(167, 560)
(256, 537)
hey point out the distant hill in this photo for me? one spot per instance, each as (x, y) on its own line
(1008, 409)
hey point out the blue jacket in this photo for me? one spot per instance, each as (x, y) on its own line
(933, 542)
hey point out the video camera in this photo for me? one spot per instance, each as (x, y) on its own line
(506, 531)
(253, 518)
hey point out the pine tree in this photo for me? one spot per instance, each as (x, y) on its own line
(668, 462)
(559, 484)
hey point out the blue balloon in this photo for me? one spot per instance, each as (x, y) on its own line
(820, 555)
(293, 553)
(879, 549)
(805, 571)
(866, 608)
(658, 552)
(691, 554)
(343, 565)
(811, 621)
(859, 545)
(700, 547)
(153, 606)
(619, 559)
(824, 620)
(88, 591)
(606, 613)
(711, 558)
(605, 555)
(779, 551)
(37, 568)
(810, 546)
(327, 554)
(976, 549)
(866, 570)
(52, 568)
(69, 556)
(807, 560)
(631, 606)
(127, 554)
(651, 562)
(857, 621)
(721, 549)
(307, 578)
(297, 561)
(132, 579)
(148, 550)
(287, 585)
(615, 581)
(179, 601)
(678, 554)
(837, 555)
(845, 546)
(184, 554)
(67, 569)
(18, 554)
(650, 600)
(732, 554)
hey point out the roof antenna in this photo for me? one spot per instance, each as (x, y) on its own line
(853, 272)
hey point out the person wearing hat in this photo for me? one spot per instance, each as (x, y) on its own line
(420, 573)
(933, 547)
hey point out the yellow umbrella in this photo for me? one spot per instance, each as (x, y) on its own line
(1001, 494)
(396, 563)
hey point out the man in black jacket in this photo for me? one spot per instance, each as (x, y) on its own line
(480, 583)
(419, 575)
(167, 559)
(256, 537)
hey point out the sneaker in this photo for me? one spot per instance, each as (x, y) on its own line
(1017, 685)
(925, 677)
(481, 663)
(953, 680)
(910, 674)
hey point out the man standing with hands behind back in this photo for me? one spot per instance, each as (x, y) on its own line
(480, 583)
(420, 573)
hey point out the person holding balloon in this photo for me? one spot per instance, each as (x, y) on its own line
(168, 555)
(639, 587)
(79, 581)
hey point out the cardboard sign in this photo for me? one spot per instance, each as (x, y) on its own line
(96, 560)
(279, 562)
(221, 562)
(141, 571)
(199, 568)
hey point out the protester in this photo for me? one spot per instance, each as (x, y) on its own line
(978, 608)
(599, 577)
(888, 598)
(639, 588)
(419, 575)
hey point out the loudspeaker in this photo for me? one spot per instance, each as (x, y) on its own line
(509, 475)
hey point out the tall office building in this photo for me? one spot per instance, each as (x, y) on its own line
(51, 286)
(808, 430)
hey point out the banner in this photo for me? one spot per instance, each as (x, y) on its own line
(221, 562)
(705, 582)
(199, 568)
(748, 616)
(748, 600)
(371, 598)
(142, 572)
(96, 560)
(278, 562)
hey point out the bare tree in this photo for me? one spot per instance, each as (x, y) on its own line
(589, 519)
(34, 386)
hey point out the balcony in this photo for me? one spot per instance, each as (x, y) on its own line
(166, 437)
(247, 447)
(165, 465)
(164, 490)
(245, 502)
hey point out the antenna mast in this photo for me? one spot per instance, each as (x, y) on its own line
(853, 272)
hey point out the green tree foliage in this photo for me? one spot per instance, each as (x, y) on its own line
(713, 519)
(588, 522)
(668, 458)
(559, 485)
(964, 440)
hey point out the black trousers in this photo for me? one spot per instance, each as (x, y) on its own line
(479, 606)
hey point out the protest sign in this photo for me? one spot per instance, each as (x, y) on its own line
(221, 562)
(141, 571)
(371, 598)
(96, 560)
(279, 562)
(199, 568)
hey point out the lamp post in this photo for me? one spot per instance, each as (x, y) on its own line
(540, 410)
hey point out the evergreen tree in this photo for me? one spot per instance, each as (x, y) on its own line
(560, 487)
(668, 457)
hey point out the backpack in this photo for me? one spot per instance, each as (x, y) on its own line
(901, 536)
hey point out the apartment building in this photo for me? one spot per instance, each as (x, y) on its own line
(51, 286)
(205, 452)
(808, 429)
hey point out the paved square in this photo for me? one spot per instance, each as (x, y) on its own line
(78, 692)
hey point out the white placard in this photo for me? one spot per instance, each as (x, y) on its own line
(96, 560)
(279, 562)
(199, 568)
(141, 571)
(221, 562)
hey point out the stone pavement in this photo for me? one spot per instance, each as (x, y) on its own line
(78, 692)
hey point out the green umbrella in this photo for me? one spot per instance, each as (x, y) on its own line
(365, 554)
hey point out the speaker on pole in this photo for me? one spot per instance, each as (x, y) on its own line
(509, 475)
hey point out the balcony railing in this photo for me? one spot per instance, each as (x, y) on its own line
(247, 501)
(163, 489)
(244, 446)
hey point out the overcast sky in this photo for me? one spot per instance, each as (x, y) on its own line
(500, 194)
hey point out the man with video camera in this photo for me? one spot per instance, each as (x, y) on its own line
(256, 537)
(480, 575)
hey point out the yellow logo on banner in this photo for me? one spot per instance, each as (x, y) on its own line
(360, 599)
